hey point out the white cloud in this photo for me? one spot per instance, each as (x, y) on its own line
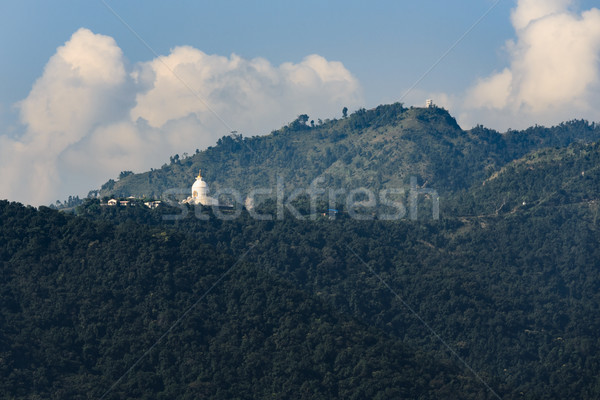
(250, 95)
(491, 92)
(76, 87)
(76, 91)
(88, 116)
(528, 11)
(554, 72)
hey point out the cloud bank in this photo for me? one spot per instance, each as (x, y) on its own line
(554, 71)
(89, 115)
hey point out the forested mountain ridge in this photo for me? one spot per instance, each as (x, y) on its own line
(550, 177)
(325, 307)
(376, 149)
(515, 294)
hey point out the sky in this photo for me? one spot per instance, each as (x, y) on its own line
(89, 89)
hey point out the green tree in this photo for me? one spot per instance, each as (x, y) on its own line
(124, 174)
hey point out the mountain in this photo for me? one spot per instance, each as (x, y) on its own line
(83, 299)
(499, 297)
(376, 149)
(551, 177)
(330, 308)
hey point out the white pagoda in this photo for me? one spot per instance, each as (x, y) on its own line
(200, 193)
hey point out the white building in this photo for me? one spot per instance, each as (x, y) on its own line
(200, 193)
(152, 204)
(428, 103)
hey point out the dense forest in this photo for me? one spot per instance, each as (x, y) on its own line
(83, 298)
(303, 313)
(499, 297)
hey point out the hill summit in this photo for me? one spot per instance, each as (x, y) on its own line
(376, 149)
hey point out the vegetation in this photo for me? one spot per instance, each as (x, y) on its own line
(376, 149)
(83, 299)
(551, 177)
(508, 277)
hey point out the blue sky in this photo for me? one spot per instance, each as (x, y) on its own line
(387, 45)
(81, 98)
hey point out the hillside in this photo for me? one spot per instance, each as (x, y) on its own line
(548, 178)
(330, 306)
(81, 300)
(376, 149)
(515, 295)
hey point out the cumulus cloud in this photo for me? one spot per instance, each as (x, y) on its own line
(90, 116)
(75, 92)
(251, 95)
(76, 87)
(554, 71)
(532, 10)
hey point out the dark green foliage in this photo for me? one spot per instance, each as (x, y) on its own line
(515, 294)
(82, 300)
(508, 277)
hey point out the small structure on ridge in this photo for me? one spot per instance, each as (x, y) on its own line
(200, 193)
